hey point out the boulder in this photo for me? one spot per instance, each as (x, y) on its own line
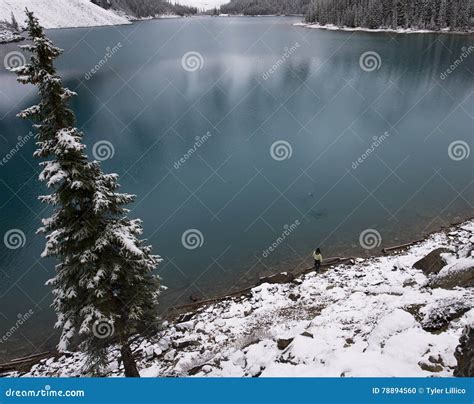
(220, 323)
(185, 317)
(186, 326)
(238, 359)
(460, 273)
(284, 277)
(437, 316)
(436, 359)
(408, 283)
(464, 354)
(164, 344)
(349, 341)
(205, 368)
(430, 367)
(432, 263)
(283, 343)
(293, 297)
(185, 344)
(169, 356)
(149, 352)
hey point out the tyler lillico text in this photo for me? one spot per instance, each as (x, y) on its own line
(430, 391)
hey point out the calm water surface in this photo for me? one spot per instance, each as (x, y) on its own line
(261, 81)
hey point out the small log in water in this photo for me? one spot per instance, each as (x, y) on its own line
(399, 247)
(18, 364)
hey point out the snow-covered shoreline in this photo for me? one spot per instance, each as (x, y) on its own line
(7, 36)
(202, 4)
(332, 27)
(372, 317)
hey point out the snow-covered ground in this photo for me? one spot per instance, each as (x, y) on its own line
(8, 36)
(373, 317)
(332, 27)
(202, 4)
(60, 13)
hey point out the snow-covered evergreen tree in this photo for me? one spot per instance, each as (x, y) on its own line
(104, 290)
(401, 14)
(14, 23)
(442, 15)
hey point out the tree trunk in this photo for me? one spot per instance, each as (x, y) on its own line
(128, 361)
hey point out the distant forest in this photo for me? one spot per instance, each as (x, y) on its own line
(417, 14)
(145, 8)
(265, 7)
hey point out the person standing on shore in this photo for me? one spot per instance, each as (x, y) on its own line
(318, 258)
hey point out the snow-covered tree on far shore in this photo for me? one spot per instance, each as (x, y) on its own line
(456, 15)
(14, 23)
(104, 289)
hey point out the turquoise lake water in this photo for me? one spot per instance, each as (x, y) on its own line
(248, 142)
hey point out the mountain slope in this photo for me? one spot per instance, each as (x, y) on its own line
(60, 13)
(146, 8)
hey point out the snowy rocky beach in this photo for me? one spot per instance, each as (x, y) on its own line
(397, 315)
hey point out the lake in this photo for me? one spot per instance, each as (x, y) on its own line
(248, 142)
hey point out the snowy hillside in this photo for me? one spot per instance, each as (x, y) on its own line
(202, 4)
(373, 317)
(8, 33)
(60, 13)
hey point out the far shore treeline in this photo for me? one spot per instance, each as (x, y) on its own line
(258, 7)
(453, 15)
(457, 15)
